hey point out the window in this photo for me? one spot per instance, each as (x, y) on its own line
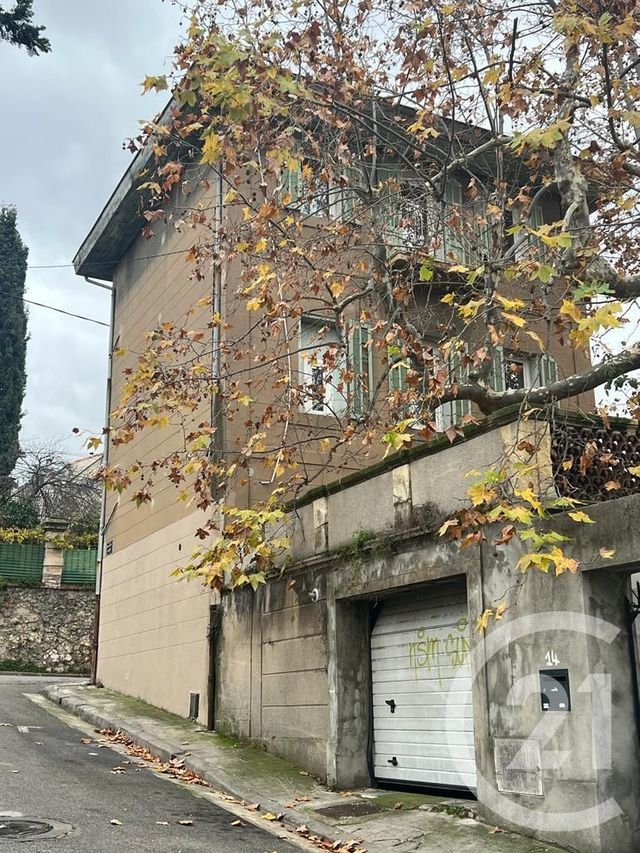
(321, 365)
(448, 413)
(320, 200)
(512, 371)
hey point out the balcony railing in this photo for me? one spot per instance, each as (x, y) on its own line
(451, 233)
(592, 462)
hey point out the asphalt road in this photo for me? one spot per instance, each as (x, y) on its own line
(46, 773)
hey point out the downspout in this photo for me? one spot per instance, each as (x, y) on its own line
(217, 410)
(105, 460)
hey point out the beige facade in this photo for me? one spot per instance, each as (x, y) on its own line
(154, 629)
(153, 638)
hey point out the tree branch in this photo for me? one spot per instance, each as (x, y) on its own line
(491, 401)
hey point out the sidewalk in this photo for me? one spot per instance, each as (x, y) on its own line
(372, 820)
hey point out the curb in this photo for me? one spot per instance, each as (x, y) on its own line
(22, 674)
(217, 779)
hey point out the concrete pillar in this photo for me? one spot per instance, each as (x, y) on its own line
(321, 525)
(402, 501)
(53, 555)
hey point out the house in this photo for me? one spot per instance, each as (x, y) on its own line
(289, 667)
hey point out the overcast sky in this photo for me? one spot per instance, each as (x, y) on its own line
(64, 118)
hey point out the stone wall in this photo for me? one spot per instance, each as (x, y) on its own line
(51, 629)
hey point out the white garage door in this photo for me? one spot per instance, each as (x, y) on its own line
(422, 706)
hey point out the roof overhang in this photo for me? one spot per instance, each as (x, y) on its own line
(120, 221)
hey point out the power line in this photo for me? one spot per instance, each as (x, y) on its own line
(53, 308)
(107, 262)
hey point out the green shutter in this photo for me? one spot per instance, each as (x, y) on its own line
(397, 373)
(292, 184)
(459, 374)
(548, 369)
(362, 367)
(497, 370)
(454, 251)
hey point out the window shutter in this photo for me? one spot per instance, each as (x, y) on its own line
(361, 364)
(548, 369)
(459, 375)
(497, 370)
(454, 250)
(292, 184)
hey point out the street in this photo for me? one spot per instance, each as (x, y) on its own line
(47, 774)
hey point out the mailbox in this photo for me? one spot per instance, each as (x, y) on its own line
(554, 690)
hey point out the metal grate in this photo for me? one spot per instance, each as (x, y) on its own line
(591, 463)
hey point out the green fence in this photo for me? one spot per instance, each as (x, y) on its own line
(79, 566)
(22, 562)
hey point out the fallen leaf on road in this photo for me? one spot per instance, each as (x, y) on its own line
(2, 725)
(269, 816)
(398, 805)
(162, 823)
(255, 807)
(303, 799)
(237, 823)
(185, 822)
(86, 740)
(116, 822)
(496, 829)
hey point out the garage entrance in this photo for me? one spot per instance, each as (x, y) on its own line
(422, 702)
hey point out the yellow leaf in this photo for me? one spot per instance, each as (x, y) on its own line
(480, 493)
(261, 245)
(530, 497)
(562, 562)
(536, 337)
(448, 298)
(607, 553)
(254, 304)
(211, 149)
(500, 610)
(337, 288)
(581, 517)
(571, 310)
(483, 621)
(516, 319)
(509, 304)
(635, 470)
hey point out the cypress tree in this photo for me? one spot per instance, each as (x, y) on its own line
(13, 344)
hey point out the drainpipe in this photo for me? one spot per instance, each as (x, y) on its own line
(217, 411)
(105, 459)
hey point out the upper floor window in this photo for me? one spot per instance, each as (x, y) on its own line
(513, 370)
(309, 194)
(323, 361)
(444, 415)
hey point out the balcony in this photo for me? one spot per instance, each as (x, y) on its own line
(451, 232)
